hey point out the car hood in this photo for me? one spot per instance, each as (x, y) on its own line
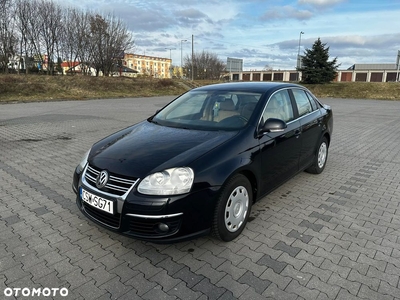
(144, 148)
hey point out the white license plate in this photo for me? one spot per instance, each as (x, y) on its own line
(97, 201)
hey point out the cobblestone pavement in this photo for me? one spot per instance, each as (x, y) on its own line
(329, 236)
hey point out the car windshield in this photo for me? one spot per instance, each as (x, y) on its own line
(209, 110)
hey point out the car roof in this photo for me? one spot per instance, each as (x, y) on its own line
(260, 87)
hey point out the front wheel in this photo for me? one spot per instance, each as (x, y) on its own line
(233, 208)
(320, 159)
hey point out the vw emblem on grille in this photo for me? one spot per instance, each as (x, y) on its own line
(102, 179)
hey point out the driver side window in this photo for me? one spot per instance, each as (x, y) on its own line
(279, 106)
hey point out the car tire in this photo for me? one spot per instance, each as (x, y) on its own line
(233, 208)
(320, 158)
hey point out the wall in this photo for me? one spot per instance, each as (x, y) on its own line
(292, 75)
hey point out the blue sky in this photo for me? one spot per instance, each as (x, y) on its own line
(262, 33)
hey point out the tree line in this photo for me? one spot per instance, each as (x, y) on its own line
(38, 33)
(41, 32)
(204, 65)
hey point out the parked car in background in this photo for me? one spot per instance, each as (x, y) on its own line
(198, 164)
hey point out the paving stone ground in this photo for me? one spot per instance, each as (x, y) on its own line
(329, 236)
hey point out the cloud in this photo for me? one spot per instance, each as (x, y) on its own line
(147, 21)
(259, 31)
(350, 49)
(191, 13)
(320, 3)
(376, 42)
(286, 12)
(191, 16)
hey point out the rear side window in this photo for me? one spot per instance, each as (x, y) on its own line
(303, 104)
(314, 103)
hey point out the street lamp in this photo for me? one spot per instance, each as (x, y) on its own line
(398, 66)
(298, 57)
(170, 52)
(181, 50)
(170, 58)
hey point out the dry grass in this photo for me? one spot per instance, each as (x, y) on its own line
(41, 88)
(351, 90)
(357, 90)
(19, 88)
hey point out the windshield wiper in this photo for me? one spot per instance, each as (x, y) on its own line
(151, 120)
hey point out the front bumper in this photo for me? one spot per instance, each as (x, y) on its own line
(151, 218)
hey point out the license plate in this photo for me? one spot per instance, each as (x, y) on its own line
(97, 201)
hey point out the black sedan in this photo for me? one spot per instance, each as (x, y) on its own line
(199, 164)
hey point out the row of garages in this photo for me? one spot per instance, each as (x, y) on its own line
(293, 75)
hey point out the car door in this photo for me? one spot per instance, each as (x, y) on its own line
(310, 121)
(280, 150)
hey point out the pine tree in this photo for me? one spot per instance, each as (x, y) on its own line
(315, 66)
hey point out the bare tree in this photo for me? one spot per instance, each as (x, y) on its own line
(69, 36)
(268, 68)
(29, 30)
(46, 32)
(83, 43)
(50, 29)
(110, 39)
(206, 65)
(23, 15)
(8, 38)
(120, 41)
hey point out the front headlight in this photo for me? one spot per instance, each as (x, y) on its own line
(83, 162)
(168, 182)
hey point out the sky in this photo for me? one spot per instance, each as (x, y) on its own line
(264, 33)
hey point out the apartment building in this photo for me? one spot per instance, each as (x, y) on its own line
(157, 67)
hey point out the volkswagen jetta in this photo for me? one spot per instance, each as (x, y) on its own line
(197, 165)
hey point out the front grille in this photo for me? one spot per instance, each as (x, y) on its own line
(116, 185)
(103, 217)
(149, 227)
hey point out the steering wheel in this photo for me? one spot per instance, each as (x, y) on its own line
(234, 121)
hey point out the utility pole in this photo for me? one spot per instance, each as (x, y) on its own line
(170, 58)
(192, 59)
(398, 66)
(181, 57)
(299, 58)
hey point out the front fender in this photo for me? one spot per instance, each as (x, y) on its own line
(215, 168)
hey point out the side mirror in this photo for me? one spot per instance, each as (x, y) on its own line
(273, 125)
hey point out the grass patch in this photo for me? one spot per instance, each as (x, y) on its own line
(41, 88)
(20, 88)
(357, 90)
(351, 90)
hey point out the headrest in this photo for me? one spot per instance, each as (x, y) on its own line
(227, 105)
